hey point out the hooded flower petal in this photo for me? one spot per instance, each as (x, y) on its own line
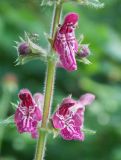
(69, 117)
(27, 114)
(65, 42)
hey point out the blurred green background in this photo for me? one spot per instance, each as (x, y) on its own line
(102, 29)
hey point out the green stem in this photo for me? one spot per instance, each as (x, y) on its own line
(56, 18)
(50, 77)
(49, 84)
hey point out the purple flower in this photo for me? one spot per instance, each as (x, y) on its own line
(69, 117)
(65, 43)
(28, 113)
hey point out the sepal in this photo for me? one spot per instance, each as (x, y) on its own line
(14, 105)
(50, 2)
(7, 122)
(84, 60)
(91, 3)
(23, 60)
(88, 131)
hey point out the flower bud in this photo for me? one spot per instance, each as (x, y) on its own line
(84, 52)
(24, 49)
(28, 50)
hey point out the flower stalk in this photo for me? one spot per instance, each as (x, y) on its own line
(49, 85)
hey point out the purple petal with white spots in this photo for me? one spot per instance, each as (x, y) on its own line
(69, 117)
(28, 114)
(66, 44)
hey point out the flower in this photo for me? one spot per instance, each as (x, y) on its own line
(28, 113)
(65, 43)
(69, 117)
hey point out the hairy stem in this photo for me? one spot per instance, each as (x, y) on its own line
(49, 85)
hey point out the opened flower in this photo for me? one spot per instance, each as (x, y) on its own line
(69, 117)
(65, 42)
(28, 113)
